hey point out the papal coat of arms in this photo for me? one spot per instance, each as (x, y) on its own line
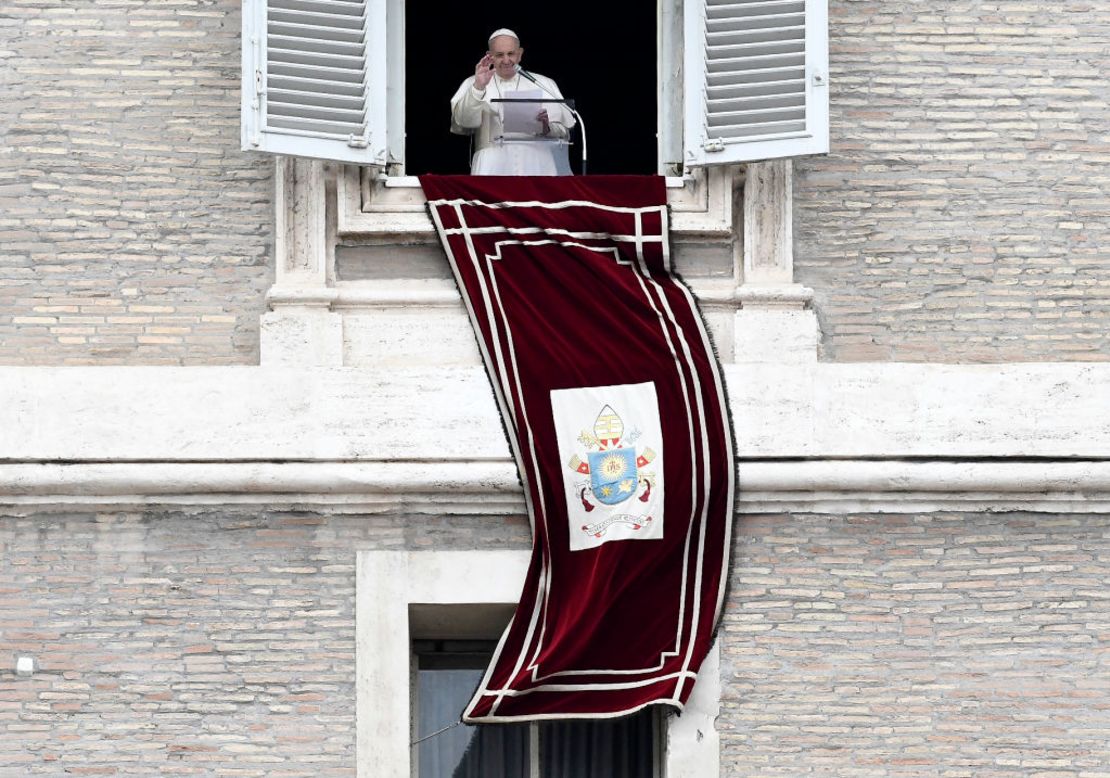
(611, 469)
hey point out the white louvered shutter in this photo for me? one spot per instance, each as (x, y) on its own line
(756, 80)
(314, 79)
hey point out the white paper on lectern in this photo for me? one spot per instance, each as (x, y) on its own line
(521, 117)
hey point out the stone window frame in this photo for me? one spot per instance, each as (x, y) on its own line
(372, 205)
(395, 593)
(747, 209)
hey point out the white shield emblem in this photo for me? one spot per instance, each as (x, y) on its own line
(611, 450)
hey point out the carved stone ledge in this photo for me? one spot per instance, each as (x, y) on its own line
(302, 296)
(374, 209)
(792, 296)
(491, 487)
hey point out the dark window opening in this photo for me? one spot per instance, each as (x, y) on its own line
(448, 672)
(603, 55)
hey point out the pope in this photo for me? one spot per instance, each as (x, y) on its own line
(473, 112)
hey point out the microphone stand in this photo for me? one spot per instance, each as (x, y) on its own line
(582, 124)
(569, 103)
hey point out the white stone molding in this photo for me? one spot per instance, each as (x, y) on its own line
(383, 707)
(300, 205)
(436, 293)
(318, 320)
(702, 207)
(422, 322)
(372, 207)
(693, 742)
(376, 208)
(774, 322)
(762, 316)
(492, 489)
(430, 294)
(443, 414)
(300, 329)
(767, 254)
(388, 586)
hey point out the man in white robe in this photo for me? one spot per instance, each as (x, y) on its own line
(541, 152)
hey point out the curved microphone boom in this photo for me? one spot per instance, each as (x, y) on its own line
(528, 76)
(570, 107)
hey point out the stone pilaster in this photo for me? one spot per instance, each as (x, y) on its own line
(775, 322)
(301, 328)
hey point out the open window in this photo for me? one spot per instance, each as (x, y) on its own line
(446, 673)
(732, 81)
(423, 610)
(613, 83)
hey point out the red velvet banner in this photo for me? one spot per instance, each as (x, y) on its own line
(617, 418)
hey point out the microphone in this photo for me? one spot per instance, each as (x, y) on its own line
(568, 103)
(527, 75)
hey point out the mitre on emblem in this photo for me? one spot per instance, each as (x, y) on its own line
(608, 428)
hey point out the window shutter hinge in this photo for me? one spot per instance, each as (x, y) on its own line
(716, 144)
(256, 106)
(357, 142)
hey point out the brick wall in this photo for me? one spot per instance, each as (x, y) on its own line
(953, 645)
(212, 642)
(197, 643)
(132, 229)
(964, 214)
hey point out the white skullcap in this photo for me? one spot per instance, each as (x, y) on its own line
(503, 31)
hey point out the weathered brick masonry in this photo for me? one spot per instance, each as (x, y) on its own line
(956, 645)
(222, 643)
(132, 229)
(964, 213)
(209, 644)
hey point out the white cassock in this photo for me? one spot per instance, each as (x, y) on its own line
(497, 153)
